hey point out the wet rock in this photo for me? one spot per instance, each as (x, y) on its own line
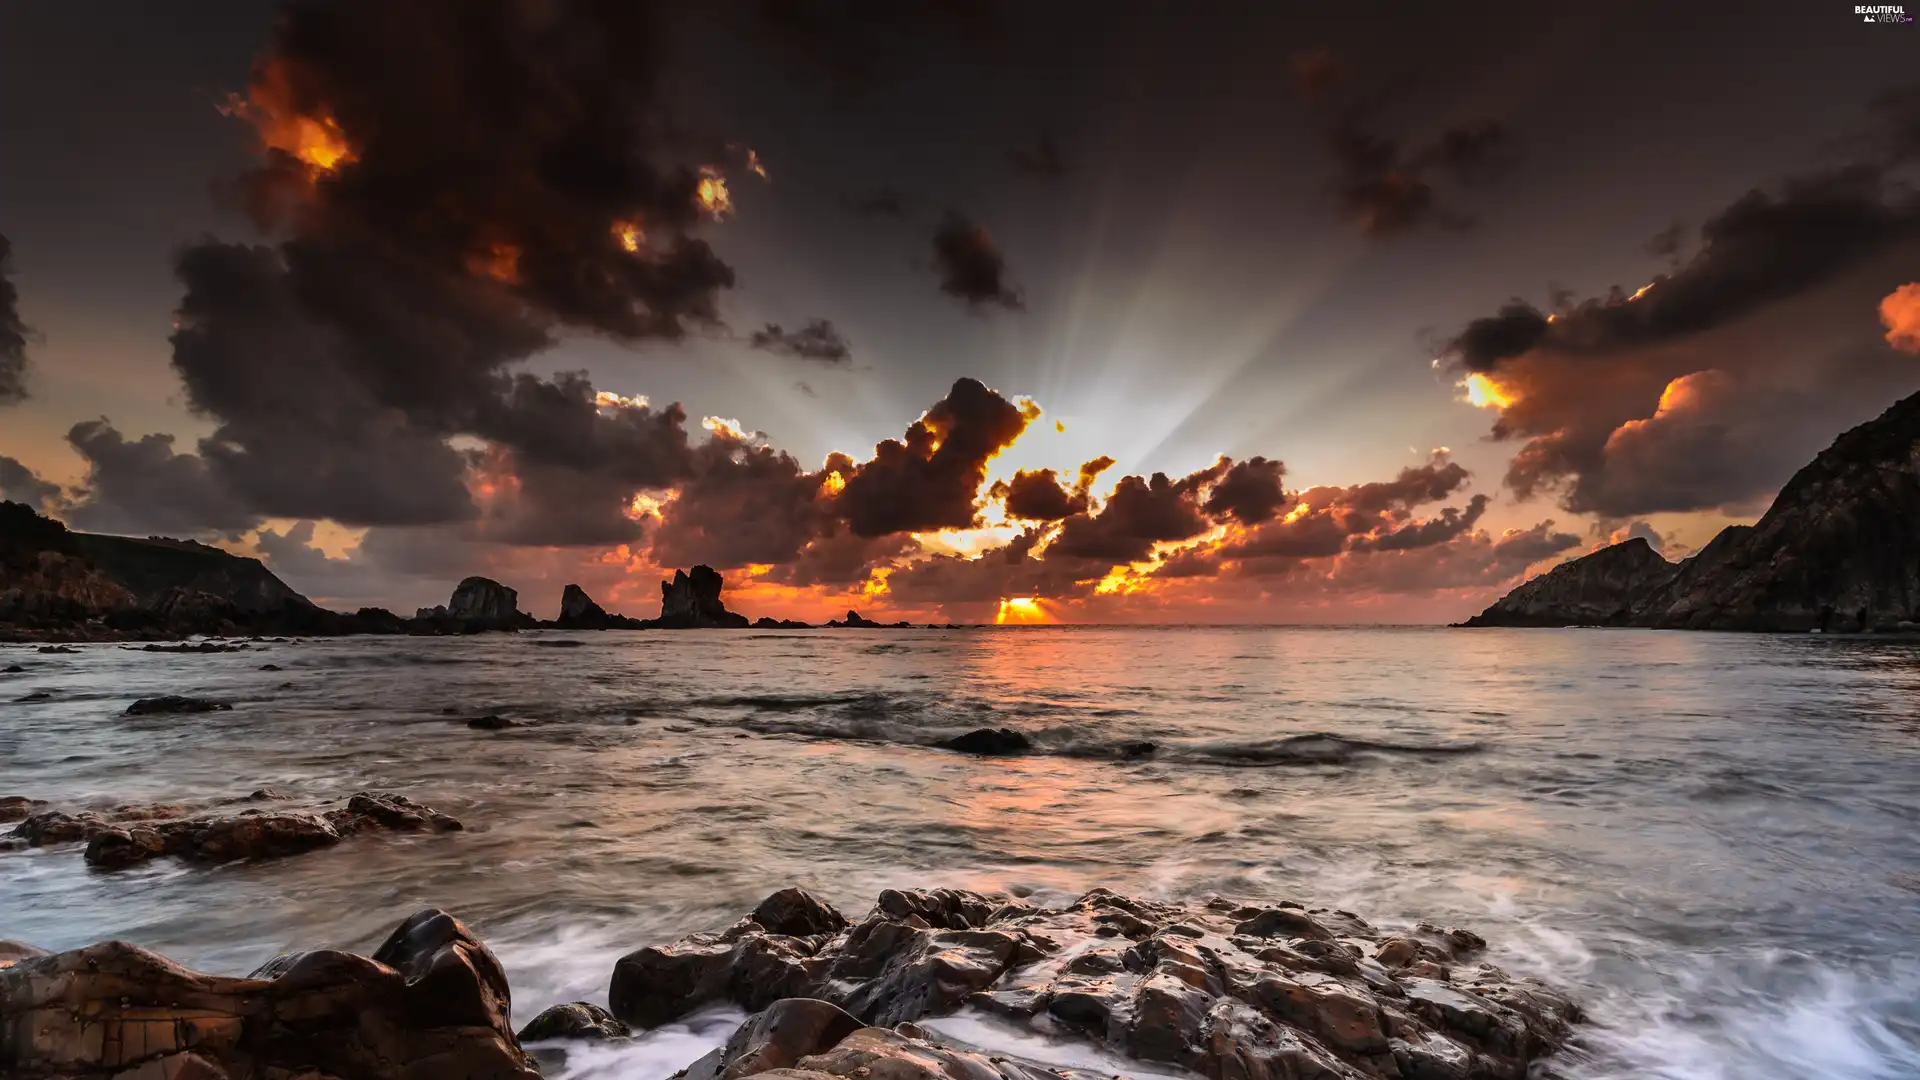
(12, 952)
(431, 1003)
(13, 669)
(175, 703)
(18, 807)
(128, 835)
(58, 649)
(1262, 993)
(574, 1020)
(196, 647)
(988, 741)
(37, 695)
(491, 722)
(366, 812)
(777, 1038)
(269, 667)
(794, 912)
(559, 643)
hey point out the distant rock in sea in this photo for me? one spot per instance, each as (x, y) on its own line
(1838, 551)
(692, 600)
(856, 621)
(579, 612)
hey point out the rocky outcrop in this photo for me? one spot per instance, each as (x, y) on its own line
(692, 599)
(857, 621)
(1600, 589)
(1226, 990)
(991, 742)
(579, 612)
(175, 703)
(431, 1002)
(767, 623)
(578, 609)
(135, 834)
(1838, 551)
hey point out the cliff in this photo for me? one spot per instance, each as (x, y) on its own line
(152, 567)
(1600, 589)
(1838, 551)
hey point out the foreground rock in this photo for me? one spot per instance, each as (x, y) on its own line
(175, 703)
(1227, 990)
(135, 834)
(432, 1002)
(1838, 551)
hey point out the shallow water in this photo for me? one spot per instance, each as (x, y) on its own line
(1710, 838)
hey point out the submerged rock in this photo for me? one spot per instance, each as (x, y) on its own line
(574, 1020)
(432, 1002)
(491, 722)
(1225, 990)
(129, 835)
(175, 703)
(988, 741)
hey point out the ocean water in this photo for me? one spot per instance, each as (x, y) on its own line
(1713, 840)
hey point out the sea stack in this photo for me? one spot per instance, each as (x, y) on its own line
(692, 600)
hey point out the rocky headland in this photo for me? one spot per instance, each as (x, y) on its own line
(1228, 991)
(1837, 552)
(59, 585)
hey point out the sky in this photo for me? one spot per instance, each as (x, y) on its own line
(945, 310)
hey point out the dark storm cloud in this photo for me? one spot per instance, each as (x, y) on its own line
(144, 487)
(1038, 496)
(1250, 492)
(1760, 250)
(1383, 185)
(1041, 161)
(970, 265)
(745, 503)
(13, 333)
(1140, 513)
(878, 202)
(818, 340)
(21, 484)
(1385, 189)
(516, 176)
(1449, 523)
(932, 479)
(1705, 388)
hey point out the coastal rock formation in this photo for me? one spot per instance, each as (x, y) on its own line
(692, 599)
(857, 621)
(135, 834)
(766, 623)
(574, 1020)
(175, 703)
(578, 609)
(991, 742)
(1220, 988)
(1838, 551)
(431, 1002)
(1600, 589)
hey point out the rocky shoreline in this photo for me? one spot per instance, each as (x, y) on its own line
(1224, 990)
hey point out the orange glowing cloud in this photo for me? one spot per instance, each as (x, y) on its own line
(312, 136)
(1482, 391)
(1900, 311)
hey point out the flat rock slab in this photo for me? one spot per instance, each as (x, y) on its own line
(1223, 989)
(128, 835)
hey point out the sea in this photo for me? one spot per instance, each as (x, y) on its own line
(1712, 840)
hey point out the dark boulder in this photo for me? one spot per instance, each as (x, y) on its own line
(491, 722)
(431, 1003)
(574, 1020)
(777, 1038)
(577, 609)
(992, 742)
(796, 913)
(484, 599)
(175, 703)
